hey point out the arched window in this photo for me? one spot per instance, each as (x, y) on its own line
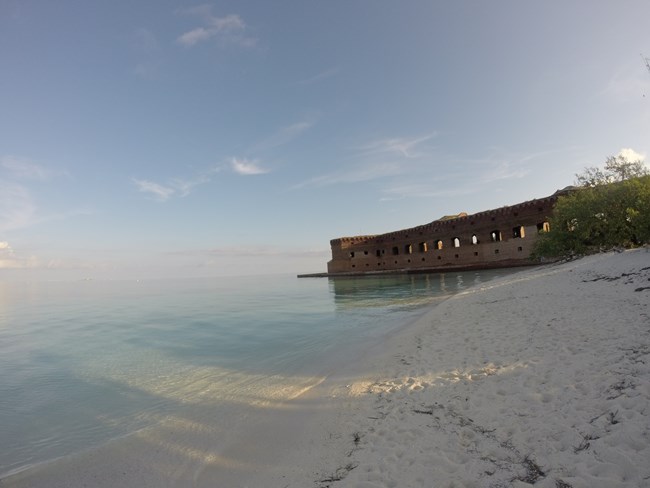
(456, 242)
(395, 251)
(423, 246)
(408, 249)
(474, 239)
(519, 232)
(495, 236)
(438, 244)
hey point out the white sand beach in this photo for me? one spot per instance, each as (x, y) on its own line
(541, 378)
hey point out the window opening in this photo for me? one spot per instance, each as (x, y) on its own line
(495, 236)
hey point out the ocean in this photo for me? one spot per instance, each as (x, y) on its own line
(86, 362)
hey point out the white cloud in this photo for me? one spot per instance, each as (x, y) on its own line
(194, 36)
(159, 192)
(245, 167)
(631, 154)
(226, 30)
(24, 169)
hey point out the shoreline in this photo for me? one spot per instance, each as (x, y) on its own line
(541, 377)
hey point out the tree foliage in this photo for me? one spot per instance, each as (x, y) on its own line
(609, 208)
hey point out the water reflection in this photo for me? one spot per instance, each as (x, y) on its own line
(404, 290)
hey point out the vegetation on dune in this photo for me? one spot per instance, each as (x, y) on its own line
(608, 208)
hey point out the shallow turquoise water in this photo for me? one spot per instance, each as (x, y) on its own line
(86, 362)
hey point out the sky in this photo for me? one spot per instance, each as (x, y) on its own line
(163, 139)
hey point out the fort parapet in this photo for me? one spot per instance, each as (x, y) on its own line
(503, 237)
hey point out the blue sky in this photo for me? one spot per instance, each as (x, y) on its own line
(166, 138)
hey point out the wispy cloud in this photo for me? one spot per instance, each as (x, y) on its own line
(24, 169)
(145, 40)
(404, 146)
(430, 189)
(630, 83)
(382, 158)
(175, 187)
(146, 46)
(156, 190)
(319, 77)
(17, 207)
(230, 29)
(283, 136)
(505, 170)
(180, 187)
(247, 168)
(358, 174)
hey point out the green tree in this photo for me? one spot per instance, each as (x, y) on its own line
(617, 168)
(609, 208)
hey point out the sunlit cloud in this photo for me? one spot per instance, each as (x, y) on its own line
(631, 154)
(229, 29)
(24, 169)
(247, 168)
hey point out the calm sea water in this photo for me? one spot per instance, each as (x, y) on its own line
(85, 362)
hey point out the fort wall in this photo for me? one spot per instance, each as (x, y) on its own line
(495, 238)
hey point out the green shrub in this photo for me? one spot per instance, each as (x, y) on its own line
(610, 209)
